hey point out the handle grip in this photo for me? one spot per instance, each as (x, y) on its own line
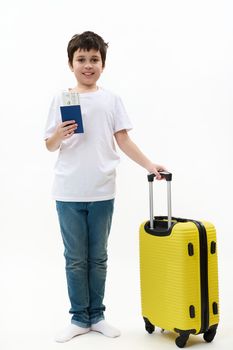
(165, 174)
(168, 178)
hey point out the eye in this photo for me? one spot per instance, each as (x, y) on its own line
(95, 60)
(80, 60)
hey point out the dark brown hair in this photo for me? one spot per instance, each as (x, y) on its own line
(87, 41)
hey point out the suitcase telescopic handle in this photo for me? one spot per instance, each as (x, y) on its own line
(165, 174)
(168, 177)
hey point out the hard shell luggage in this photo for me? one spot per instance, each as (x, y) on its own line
(178, 273)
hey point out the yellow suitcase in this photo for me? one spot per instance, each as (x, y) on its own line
(178, 274)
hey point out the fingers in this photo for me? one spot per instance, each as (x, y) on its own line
(67, 129)
(163, 172)
(68, 135)
(161, 168)
(68, 122)
(157, 170)
(159, 176)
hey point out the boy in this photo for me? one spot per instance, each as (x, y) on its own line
(84, 185)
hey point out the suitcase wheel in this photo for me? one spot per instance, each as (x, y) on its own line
(149, 326)
(182, 340)
(210, 334)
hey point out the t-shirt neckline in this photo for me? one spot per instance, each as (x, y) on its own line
(99, 89)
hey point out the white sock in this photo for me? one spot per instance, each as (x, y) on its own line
(69, 332)
(104, 328)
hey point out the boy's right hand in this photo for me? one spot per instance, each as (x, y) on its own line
(66, 129)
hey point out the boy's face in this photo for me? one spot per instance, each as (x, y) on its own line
(87, 67)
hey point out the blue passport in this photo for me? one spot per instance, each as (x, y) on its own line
(73, 112)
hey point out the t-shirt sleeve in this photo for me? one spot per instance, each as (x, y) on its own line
(121, 118)
(54, 118)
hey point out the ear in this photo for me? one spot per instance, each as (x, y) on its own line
(70, 66)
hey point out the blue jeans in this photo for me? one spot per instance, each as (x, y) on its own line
(85, 227)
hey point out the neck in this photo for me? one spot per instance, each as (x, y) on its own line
(81, 88)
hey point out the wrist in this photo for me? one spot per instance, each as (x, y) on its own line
(149, 167)
(53, 143)
(57, 136)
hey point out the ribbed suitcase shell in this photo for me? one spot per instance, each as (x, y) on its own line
(171, 278)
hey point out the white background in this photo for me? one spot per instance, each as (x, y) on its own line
(171, 62)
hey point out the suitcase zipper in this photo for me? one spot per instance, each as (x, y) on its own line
(203, 276)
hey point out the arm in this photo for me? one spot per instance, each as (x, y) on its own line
(63, 132)
(133, 152)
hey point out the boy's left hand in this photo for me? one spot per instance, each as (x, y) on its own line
(155, 168)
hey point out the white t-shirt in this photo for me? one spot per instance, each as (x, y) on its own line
(85, 168)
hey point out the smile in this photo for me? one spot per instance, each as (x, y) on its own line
(88, 74)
